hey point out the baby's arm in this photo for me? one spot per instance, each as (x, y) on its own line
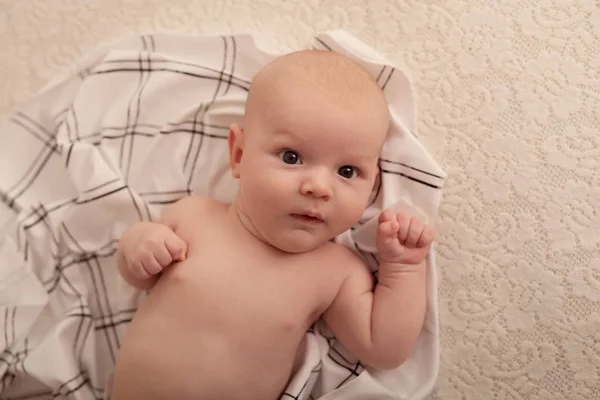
(146, 248)
(380, 326)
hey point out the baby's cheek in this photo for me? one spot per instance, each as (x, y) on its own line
(352, 209)
(269, 190)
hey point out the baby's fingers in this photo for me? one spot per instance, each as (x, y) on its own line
(162, 255)
(144, 265)
(387, 241)
(403, 227)
(426, 237)
(389, 230)
(137, 269)
(387, 215)
(177, 247)
(151, 264)
(415, 230)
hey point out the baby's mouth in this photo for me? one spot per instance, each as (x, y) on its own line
(309, 219)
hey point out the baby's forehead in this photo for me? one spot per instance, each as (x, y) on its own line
(321, 77)
(330, 71)
(319, 73)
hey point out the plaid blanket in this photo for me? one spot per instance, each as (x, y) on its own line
(135, 126)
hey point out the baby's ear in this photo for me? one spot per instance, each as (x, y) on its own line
(236, 149)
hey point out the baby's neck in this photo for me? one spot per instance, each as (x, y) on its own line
(240, 221)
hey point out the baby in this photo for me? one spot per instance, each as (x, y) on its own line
(235, 287)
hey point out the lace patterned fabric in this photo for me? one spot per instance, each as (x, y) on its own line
(509, 104)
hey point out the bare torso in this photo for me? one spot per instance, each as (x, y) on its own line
(227, 322)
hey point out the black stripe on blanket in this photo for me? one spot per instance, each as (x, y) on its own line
(314, 371)
(48, 150)
(412, 173)
(133, 110)
(195, 71)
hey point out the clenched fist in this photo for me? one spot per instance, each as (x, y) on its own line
(402, 239)
(151, 247)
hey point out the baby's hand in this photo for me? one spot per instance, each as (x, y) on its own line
(402, 239)
(154, 248)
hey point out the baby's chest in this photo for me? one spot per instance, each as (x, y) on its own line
(250, 286)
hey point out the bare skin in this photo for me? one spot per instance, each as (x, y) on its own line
(234, 287)
(227, 321)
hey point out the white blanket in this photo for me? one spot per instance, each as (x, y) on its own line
(142, 123)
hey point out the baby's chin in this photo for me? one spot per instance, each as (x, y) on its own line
(299, 243)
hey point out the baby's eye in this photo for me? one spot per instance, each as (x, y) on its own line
(347, 172)
(290, 157)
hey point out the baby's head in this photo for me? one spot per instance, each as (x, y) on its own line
(307, 156)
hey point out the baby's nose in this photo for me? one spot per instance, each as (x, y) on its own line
(317, 185)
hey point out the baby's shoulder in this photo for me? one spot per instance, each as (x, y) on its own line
(195, 202)
(340, 255)
(189, 207)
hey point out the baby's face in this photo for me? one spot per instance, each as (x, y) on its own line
(308, 166)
